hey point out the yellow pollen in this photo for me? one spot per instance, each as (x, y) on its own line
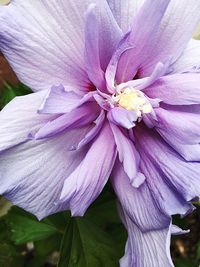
(132, 99)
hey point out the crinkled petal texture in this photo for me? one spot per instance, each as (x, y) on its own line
(33, 173)
(44, 40)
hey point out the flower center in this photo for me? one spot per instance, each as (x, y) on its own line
(133, 100)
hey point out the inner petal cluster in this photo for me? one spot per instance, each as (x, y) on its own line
(132, 100)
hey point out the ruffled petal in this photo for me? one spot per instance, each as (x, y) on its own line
(169, 176)
(149, 249)
(139, 203)
(32, 173)
(84, 185)
(177, 89)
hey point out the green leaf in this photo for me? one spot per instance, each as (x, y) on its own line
(25, 227)
(9, 257)
(9, 92)
(86, 245)
(185, 263)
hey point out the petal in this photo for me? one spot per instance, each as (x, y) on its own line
(44, 41)
(138, 203)
(78, 117)
(163, 37)
(150, 249)
(128, 156)
(122, 117)
(169, 176)
(177, 89)
(102, 34)
(124, 11)
(84, 185)
(59, 101)
(32, 173)
(20, 117)
(189, 59)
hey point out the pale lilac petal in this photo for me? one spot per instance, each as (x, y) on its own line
(166, 171)
(102, 35)
(20, 117)
(177, 89)
(84, 185)
(128, 156)
(122, 117)
(124, 11)
(32, 174)
(78, 117)
(139, 203)
(59, 101)
(146, 249)
(44, 41)
(189, 59)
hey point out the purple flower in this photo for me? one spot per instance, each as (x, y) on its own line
(117, 94)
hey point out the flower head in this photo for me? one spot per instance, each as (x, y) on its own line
(116, 94)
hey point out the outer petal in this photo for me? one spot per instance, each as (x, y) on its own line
(162, 39)
(124, 11)
(150, 249)
(32, 174)
(177, 89)
(190, 59)
(19, 117)
(84, 185)
(44, 41)
(167, 173)
(139, 203)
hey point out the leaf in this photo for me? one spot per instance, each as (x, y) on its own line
(9, 257)
(25, 227)
(86, 245)
(9, 92)
(185, 263)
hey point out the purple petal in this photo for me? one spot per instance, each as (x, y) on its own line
(177, 89)
(124, 11)
(146, 249)
(102, 35)
(139, 203)
(84, 185)
(44, 42)
(20, 117)
(59, 101)
(122, 117)
(168, 175)
(128, 156)
(78, 117)
(32, 174)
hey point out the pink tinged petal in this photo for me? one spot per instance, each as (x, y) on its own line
(84, 185)
(32, 174)
(44, 41)
(146, 249)
(148, 19)
(128, 156)
(98, 123)
(189, 59)
(162, 165)
(59, 101)
(20, 117)
(124, 11)
(122, 117)
(139, 203)
(78, 117)
(177, 89)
